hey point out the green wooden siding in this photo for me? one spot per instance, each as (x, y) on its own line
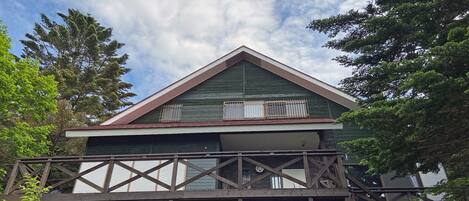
(246, 81)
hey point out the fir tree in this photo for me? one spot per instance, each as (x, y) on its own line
(410, 63)
(85, 62)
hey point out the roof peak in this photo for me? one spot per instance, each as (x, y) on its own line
(241, 53)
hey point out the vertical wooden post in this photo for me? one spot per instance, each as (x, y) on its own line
(23, 170)
(11, 180)
(240, 172)
(341, 172)
(107, 179)
(45, 174)
(307, 170)
(174, 175)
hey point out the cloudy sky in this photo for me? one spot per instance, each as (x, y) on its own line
(169, 39)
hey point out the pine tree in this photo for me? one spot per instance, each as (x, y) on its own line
(85, 62)
(411, 71)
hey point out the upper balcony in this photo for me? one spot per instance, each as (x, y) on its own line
(297, 175)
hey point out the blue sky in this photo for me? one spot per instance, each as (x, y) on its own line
(167, 39)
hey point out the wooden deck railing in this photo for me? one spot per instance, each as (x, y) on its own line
(323, 170)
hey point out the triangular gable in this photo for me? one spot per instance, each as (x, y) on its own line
(242, 53)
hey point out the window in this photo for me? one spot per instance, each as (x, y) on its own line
(233, 110)
(171, 112)
(276, 109)
(253, 109)
(296, 108)
(237, 110)
(276, 182)
(286, 109)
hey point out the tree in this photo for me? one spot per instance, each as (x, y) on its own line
(84, 61)
(26, 101)
(411, 71)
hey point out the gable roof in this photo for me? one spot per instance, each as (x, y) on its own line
(242, 53)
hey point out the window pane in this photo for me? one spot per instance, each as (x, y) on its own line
(276, 182)
(254, 109)
(233, 110)
(296, 108)
(171, 112)
(276, 109)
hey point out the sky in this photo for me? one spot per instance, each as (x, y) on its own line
(168, 39)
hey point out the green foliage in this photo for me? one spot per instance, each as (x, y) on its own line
(84, 60)
(3, 174)
(23, 140)
(31, 189)
(66, 118)
(411, 71)
(26, 101)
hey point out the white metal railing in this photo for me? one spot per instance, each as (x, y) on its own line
(238, 110)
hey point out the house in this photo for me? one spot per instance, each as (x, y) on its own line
(244, 127)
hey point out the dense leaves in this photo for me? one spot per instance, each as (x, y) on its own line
(26, 101)
(84, 61)
(411, 71)
(31, 189)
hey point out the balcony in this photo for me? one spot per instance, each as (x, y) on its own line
(293, 175)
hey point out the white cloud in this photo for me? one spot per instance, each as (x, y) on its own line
(352, 4)
(169, 39)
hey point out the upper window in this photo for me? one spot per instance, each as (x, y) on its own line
(276, 109)
(236, 110)
(253, 109)
(171, 112)
(297, 108)
(233, 110)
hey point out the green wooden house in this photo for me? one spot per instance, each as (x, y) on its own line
(244, 127)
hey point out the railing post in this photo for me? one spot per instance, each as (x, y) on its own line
(45, 174)
(240, 171)
(12, 178)
(307, 170)
(341, 172)
(23, 170)
(174, 175)
(107, 179)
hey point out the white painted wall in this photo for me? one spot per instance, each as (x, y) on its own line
(295, 173)
(120, 174)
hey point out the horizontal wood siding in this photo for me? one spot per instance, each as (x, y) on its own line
(246, 81)
(206, 182)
